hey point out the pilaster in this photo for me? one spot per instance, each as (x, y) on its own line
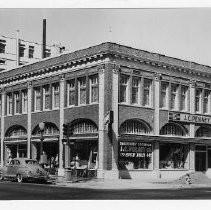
(101, 138)
(3, 97)
(61, 122)
(157, 78)
(29, 106)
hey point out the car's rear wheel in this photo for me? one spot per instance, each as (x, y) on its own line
(19, 178)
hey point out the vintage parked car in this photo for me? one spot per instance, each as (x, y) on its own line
(23, 169)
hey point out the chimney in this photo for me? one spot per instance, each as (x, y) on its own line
(44, 39)
(17, 48)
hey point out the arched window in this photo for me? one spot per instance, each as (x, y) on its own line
(135, 127)
(203, 131)
(84, 126)
(173, 129)
(16, 131)
(50, 129)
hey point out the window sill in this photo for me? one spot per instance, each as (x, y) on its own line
(136, 169)
(138, 106)
(171, 169)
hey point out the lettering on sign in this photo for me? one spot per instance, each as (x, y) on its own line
(189, 118)
(135, 149)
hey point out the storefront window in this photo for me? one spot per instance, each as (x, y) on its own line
(173, 156)
(135, 155)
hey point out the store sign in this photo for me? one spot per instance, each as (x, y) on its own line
(135, 149)
(189, 118)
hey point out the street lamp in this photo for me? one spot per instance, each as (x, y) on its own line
(41, 127)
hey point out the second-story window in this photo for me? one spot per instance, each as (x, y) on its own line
(31, 51)
(24, 101)
(37, 99)
(21, 50)
(46, 97)
(56, 96)
(0, 105)
(147, 97)
(174, 96)
(9, 104)
(17, 102)
(93, 89)
(163, 95)
(71, 92)
(184, 98)
(135, 90)
(198, 100)
(206, 101)
(47, 53)
(82, 91)
(2, 45)
(124, 89)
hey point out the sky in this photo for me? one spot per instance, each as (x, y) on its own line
(181, 33)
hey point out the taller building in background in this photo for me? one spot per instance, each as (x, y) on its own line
(28, 52)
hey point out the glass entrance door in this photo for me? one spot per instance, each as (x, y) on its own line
(200, 161)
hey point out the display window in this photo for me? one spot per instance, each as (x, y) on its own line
(135, 155)
(173, 156)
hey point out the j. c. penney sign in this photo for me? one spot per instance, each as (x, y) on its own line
(189, 118)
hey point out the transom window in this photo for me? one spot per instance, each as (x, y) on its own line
(173, 129)
(16, 132)
(84, 127)
(203, 131)
(134, 127)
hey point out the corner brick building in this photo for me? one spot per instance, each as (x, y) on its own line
(133, 114)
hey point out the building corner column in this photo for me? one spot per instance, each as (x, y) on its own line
(3, 101)
(192, 127)
(29, 124)
(115, 126)
(156, 151)
(61, 122)
(101, 129)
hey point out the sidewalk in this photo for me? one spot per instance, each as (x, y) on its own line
(128, 184)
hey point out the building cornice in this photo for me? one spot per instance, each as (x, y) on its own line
(101, 52)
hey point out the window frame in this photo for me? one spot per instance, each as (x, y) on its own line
(9, 102)
(46, 94)
(125, 85)
(24, 99)
(149, 89)
(84, 88)
(54, 94)
(72, 90)
(35, 98)
(93, 85)
(17, 101)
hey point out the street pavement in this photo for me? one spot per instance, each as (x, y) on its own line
(129, 184)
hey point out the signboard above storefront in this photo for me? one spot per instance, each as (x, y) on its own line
(129, 149)
(191, 118)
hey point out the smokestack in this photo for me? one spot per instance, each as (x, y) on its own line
(44, 39)
(17, 48)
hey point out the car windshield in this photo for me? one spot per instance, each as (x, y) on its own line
(31, 162)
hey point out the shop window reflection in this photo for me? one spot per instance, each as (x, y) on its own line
(173, 156)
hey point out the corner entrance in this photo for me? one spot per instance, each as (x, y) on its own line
(200, 158)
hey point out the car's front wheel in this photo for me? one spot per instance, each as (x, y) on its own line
(19, 178)
(1, 176)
